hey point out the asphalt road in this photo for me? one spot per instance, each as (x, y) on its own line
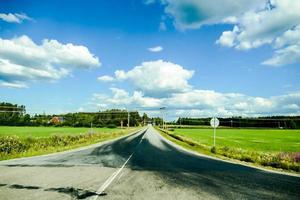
(140, 166)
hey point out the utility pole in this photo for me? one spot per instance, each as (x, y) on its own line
(162, 111)
(91, 130)
(128, 119)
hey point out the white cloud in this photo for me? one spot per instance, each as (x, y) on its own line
(288, 48)
(205, 103)
(120, 75)
(157, 77)
(256, 23)
(141, 100)
(192, 14)
(155, 49)
(284, 56)
(228, 38)
(14, 18)
(22, 60)
(122, 99)
(106, 78)
(277, 25)
(12, 84)
(259, 27)
(289, 37)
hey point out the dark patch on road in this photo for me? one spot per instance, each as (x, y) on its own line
(75, 193)
(45, 165)
(27, 187)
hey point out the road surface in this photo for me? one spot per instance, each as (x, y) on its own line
(140, 166)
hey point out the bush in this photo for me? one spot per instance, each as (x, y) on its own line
(247, 158)
(297, 157)
(10, 144)
(213, 149)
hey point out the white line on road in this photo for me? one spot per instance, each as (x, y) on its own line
(114, 175)
(111, 178)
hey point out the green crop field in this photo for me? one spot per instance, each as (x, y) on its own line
(38, 132)
(265, 140)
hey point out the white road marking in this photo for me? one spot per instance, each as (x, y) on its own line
(110, 179)
(114, 175)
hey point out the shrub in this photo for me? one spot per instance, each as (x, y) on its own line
(247, 158)
(10, 144)
(297, 157)
(213, 149)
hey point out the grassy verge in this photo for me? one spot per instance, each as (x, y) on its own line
(13, 146)
(284, 161)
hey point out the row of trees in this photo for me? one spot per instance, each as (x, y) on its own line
(15, 115)
(286, 122)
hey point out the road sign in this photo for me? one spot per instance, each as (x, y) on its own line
(214, 122)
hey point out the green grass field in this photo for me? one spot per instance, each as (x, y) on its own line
(18, 142)
(38, 132)
(264, 140)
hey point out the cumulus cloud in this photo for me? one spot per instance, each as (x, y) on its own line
(192, 14)
(255, 23)
(122, 99)
(277, 24)
(14, 18)
(155, 49)
(157, 77)
(259, 27)
(105, 78)
(22, 60)
(205, 103)
(287, 48)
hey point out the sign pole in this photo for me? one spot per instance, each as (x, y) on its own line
(214, 122)
(214, 136)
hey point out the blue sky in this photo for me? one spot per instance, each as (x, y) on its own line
(212, 59)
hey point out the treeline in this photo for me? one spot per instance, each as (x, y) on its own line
(284, 122)
(15, 115)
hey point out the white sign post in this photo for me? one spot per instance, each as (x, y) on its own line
(214, 122)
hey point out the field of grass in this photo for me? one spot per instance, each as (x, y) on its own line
(39, 132)
(18, 142)
(278, 149)
(265, 140)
